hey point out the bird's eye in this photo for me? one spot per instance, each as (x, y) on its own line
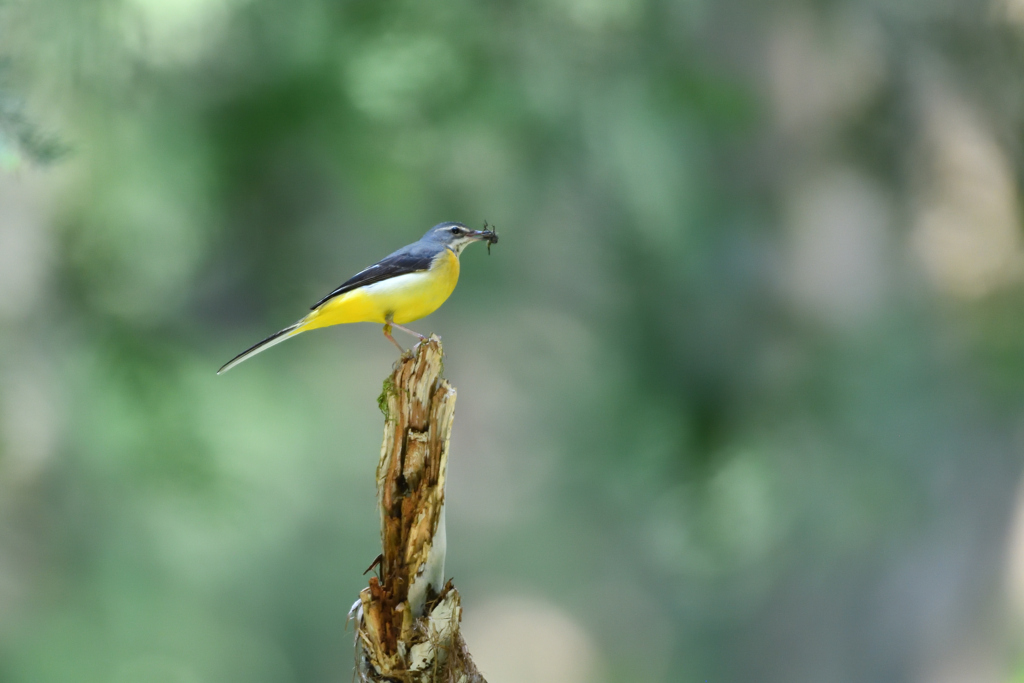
(456, 231)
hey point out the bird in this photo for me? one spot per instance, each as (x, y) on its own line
(404, 286)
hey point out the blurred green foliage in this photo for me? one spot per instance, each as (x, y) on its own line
(739, 391)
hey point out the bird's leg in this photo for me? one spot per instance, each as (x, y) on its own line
(387, 333)
(408, 331)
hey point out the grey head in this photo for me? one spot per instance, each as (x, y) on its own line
(456, 236)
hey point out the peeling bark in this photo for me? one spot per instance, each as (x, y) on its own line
(408, 617)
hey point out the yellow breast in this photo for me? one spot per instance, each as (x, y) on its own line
(405, 298)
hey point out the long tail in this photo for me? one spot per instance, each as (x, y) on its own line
(272, 340)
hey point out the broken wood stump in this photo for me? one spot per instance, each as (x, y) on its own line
(408, 617)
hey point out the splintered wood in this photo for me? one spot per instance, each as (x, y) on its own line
(409, 618)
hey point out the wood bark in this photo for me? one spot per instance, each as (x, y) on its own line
(408, 617)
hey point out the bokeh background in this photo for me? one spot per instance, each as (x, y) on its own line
(741, 390)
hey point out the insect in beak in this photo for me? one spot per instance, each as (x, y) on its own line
(490, 235)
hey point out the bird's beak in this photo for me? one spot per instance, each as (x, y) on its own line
(489, 236)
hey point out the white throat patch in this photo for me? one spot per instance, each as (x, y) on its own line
(459, 245)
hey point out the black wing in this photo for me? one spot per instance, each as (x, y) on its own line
(411, 259)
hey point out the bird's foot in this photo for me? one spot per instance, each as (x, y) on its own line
(408, 331)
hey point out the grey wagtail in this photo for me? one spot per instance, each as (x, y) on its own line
(404, 286)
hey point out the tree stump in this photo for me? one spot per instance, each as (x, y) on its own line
(408, 617)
